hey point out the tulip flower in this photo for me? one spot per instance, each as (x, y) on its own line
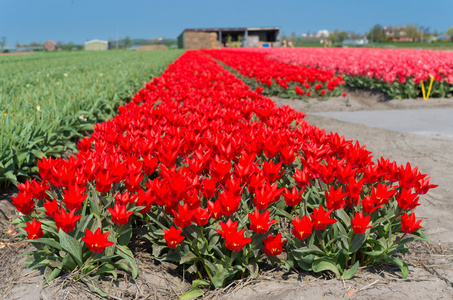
(259, 223)
(273, 246)
(173, 237)
(408, 224)
(382, 194)
(302, 178)
(229, 203)
(302, 228)
(266, 195)
(125, 198)
(201, 216)
(145, 199)
(368, 204)
(422, 186)
(209, 188)
(360, 223)
(98, 241)
(104, 182)
(39, 190)
(51, 208)
(133, 181)
(272, 171)
(407, 200)
(33, 230)
(234, 240)
(73, 197)
(335, 199)
(120, 216)
(24, 203)
(65, 221)
(321, 218)
(220, 169)
(183, 217)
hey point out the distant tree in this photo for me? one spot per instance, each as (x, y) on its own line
(3, 42)
(450, 33)
(353, 35)
(412, 32)
(127, 42)
(377, 34)
(338, 36)
(18, 44)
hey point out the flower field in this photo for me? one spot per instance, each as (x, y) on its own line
(47, 101)
(277, 78)
(217, 178)
(395, 72)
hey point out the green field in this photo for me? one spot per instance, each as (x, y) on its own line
(47, 100)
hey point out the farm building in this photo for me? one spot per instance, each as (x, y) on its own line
(96, 45)
(209, 38)
(355, 42)
(50, 45)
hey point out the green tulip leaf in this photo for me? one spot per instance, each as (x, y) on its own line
(72, 246)
(193, 293)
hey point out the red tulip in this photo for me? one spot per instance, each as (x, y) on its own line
(259, 223)
(51, 208)
(408, 224)
(321, 218)
(24, 203)
(335, 199)
(273, 246)
(292, 198)
(234, 240)
(65, 221)
(120, 216)
(98, 241)
(359, 223)
(183, 217)
(302, 228)
(33, 230)
(173, 237)
(201, 216)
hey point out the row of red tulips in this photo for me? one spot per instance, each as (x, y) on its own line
(277, 78)
(213, 175)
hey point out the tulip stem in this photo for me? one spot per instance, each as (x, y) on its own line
(321, 241)
(395, 242)
(391, 222)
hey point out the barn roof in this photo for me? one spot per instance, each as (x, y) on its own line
(232, 29)
(96, 41)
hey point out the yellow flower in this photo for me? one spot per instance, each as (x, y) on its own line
(38, 108)
(65, 75)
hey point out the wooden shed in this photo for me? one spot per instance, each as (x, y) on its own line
(96, 45)
(209, 38)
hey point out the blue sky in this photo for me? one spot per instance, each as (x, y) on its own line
(26, 21)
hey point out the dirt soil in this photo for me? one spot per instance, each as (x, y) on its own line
(15, 53)
(431, 265)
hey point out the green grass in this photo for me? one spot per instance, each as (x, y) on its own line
(46, 97)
